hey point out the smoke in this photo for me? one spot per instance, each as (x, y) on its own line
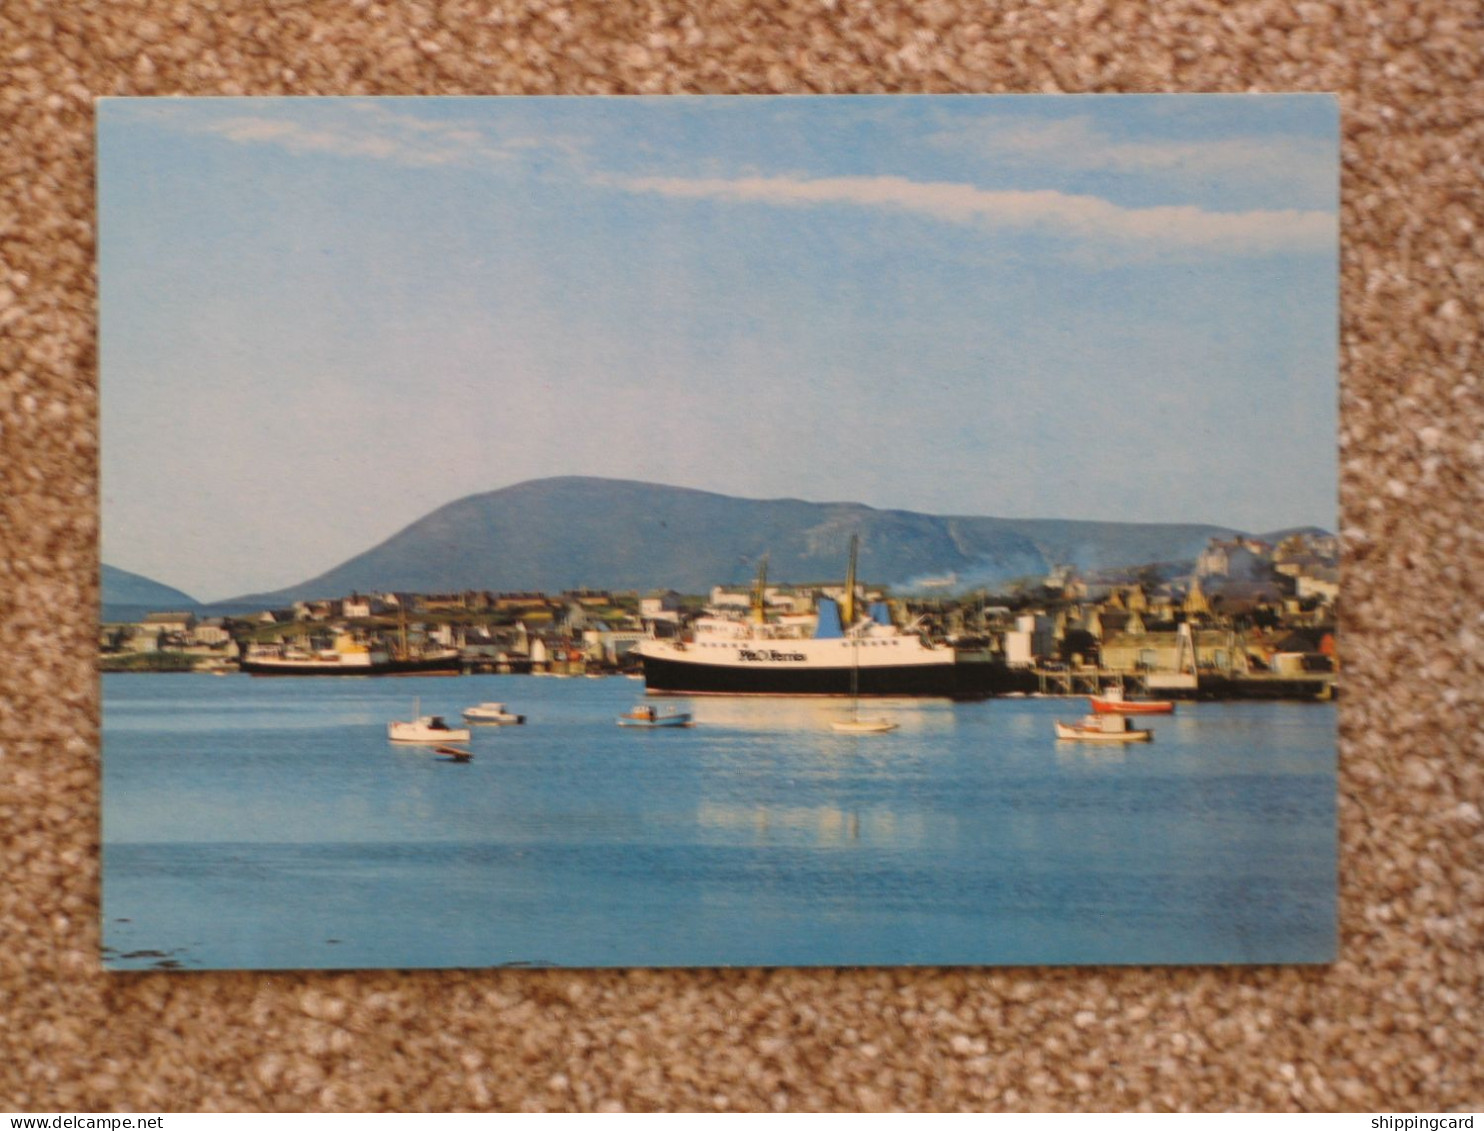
(986, 573)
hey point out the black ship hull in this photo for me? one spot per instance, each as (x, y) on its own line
(960, 679)
(441, 665)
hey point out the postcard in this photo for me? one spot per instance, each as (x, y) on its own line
(718, 531)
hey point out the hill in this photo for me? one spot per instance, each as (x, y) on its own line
(571, 532)
(125, 594)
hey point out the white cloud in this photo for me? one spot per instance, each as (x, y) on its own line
(1287, 165)
(366, 132)
(352, 128)
(1077, 219)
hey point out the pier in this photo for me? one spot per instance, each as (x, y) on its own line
(1060, 679)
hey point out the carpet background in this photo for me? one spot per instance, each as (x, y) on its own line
(1394, 1025)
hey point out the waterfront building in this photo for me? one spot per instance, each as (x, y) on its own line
(610, 646)
(1030, 641)
(169, 622)
(1180, 650)
(660, 605)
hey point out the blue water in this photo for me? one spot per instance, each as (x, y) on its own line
(269, 824)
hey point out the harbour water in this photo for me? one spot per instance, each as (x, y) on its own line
(270, 824)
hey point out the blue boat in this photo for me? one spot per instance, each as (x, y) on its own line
(647, 716)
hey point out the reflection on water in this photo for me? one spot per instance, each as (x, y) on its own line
(814, 715)
(271, 824)
(1091, 754)
(820, 826)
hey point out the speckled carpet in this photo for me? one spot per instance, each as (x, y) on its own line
(1393, 1025)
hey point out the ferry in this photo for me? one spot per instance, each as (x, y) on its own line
(848, 652)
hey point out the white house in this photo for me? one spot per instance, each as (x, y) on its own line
(357, 607)
(661, 606)
(1033, 638)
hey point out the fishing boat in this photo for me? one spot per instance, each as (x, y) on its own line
(645, 715)
(1102, 728)
(848, 640)
(425, 728)
(1112, 702)
(492, 714)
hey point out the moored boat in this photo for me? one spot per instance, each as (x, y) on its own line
(864, 726)
(425, 728)
(1112, 702)
(855, 724)
(1102, 728)
(645, 715)
(492, 714)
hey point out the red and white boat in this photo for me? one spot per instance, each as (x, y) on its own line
(1112, 702)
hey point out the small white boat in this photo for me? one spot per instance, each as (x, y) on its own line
(646, 716)
(493, 714)
(864, 726)
(1102, 728)
(425, 728)
(855, 724)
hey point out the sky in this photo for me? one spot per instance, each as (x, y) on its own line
(323, 318)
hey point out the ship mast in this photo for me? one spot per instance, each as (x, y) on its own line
(847, 606)
(760, 593)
